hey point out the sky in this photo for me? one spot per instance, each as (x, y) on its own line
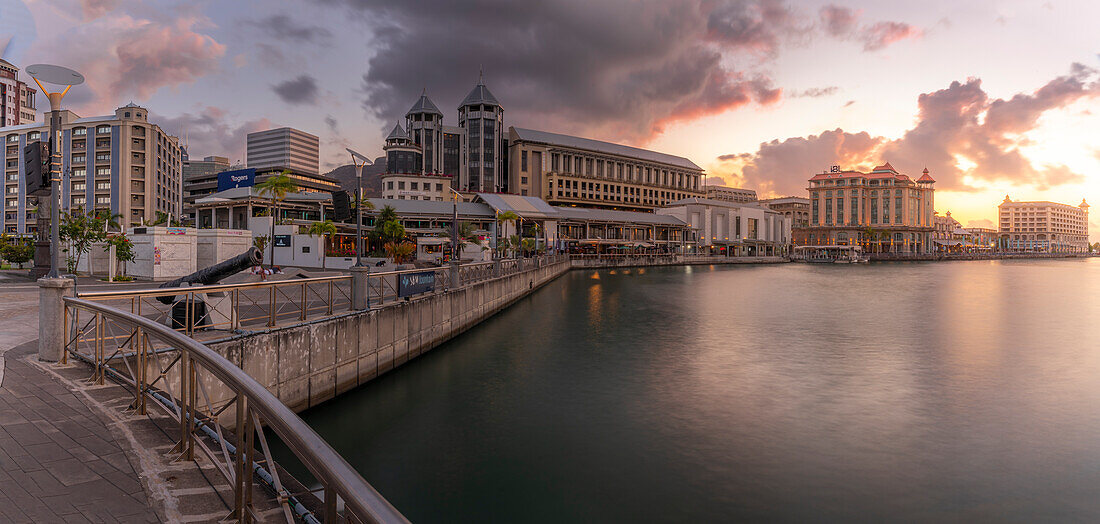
(995, 98)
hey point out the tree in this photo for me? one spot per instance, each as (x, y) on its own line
(81, 231)
(260, 243)
(124, 248)
(16, 250)
(276, 187)
(507, 217)
(467, 234)
(327, 230)
(388, 227)
(400, 252)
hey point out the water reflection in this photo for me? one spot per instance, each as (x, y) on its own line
(956, 391)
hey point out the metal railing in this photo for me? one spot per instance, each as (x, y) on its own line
(204, 311)
(176, 373)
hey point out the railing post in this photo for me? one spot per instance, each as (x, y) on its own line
(456, 275)
(242, 503)
(360, 293)
(51, 317)
(302, 316)
(271, 305)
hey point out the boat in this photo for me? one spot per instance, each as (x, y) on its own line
(830, 255)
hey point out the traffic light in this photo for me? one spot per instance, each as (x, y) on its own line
(36, 166)
(341, 206)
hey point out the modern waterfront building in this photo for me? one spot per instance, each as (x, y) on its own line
(1046, 227)
(730, 194)
(733, 229)
(283, 148)
(119, 162)
(883, 211)
(484, 145)
(405, 178)
(17, 99)
(200, 177)
(416, 187)
(796, 209)
(566, 170)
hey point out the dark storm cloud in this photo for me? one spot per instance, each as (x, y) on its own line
(283, 27)
(621, 69)
(957, 122)
(301, 90)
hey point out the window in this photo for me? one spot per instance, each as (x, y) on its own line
(103, 171)
(103, 200)
(80, 171)
(389, 185)
(415, 186)
(523, 160)
(79, 186)
(80, 131)
(80, 159)
(101, 130)
(439, 187)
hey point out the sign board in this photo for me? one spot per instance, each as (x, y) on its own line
(409, 284)
(236, 178)
(282, 240)
(177, 231)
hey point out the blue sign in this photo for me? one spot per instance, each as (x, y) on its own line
(409, 284)
(236, 178)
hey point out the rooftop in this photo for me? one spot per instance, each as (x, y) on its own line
(554, 139)
(480, 95)
(524, 206)
(610, 215)
(424, 105)
(720, 203)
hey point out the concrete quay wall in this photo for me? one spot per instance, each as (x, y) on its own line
(308, 364)
(670, 260)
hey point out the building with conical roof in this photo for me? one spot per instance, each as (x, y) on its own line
(485, 144)
(424, 126)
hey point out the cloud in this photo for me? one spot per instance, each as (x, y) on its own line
(965, 138)
(300, 90)
(619, 69)
(849, 103)
(843, 23)
(982, 222)
(208, 131)
(123, 56)
(283, 27)
(815, 92)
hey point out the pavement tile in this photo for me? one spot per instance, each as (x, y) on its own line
(71, 471)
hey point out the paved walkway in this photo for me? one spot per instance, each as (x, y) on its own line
(70, 453)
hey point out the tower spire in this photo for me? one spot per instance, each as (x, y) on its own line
(481, 75)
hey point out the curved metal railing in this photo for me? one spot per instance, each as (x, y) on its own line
(204, 425)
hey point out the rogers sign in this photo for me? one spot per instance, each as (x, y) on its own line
(236, 178)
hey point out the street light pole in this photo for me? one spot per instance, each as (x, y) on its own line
(360, 162)
(51, 74)
(454, 226)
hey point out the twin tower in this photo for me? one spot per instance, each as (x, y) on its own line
(473, 153)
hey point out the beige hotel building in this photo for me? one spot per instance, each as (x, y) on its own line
(572, 171)
(883, 211)
(118, 162)
(1045, 227)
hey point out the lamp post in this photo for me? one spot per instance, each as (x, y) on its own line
(58, 75)
(454, 225)
(360, 162)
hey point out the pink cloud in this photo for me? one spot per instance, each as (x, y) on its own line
(843, 23)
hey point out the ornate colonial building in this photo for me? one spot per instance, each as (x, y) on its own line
(882, 211)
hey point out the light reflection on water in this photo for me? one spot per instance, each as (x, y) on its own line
(950, 391)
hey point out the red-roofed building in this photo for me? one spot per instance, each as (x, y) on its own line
(882, 211)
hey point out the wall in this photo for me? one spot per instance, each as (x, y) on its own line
(215, 245)
(162, 253)
(309, 364)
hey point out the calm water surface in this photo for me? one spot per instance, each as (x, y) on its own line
(927, 391)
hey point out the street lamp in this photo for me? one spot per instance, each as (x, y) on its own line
(454, 226)
(63, 76)
(360, 162)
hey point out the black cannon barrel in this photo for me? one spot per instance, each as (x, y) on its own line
(213, 274)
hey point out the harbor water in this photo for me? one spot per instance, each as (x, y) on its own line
(955, 391)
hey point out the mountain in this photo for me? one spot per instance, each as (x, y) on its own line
(372, 181)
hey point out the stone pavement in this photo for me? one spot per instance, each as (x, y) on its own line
(69, 452)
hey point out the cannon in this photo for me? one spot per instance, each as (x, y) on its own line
(213, 274)
(204, 277)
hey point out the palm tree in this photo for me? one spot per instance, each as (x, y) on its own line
(276, 187)
(506, 217)
(466, 235)
(327, 230)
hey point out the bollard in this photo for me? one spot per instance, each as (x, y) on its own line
(51, 317)
(359, 277)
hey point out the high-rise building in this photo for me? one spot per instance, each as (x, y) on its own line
(17, 104)
(284, 148)
(1047, 227)
(881, 211)
(287, 149)
(484, 144)
(200, 177)
(424, 129)
(120, 162)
